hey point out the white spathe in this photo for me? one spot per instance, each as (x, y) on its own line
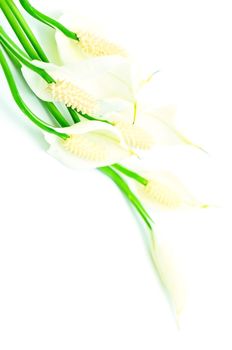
(101, 77)
(91, 144)
(144, 128)
(170, 275)
(165, 191)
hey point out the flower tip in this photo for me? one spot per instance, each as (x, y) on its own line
(207, 206)
(170, 278)
(204, 206)
(133, 153)
(199, 147)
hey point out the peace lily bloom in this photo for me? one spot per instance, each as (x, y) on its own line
(93, 39)
(91, 144)
(150, 128)
(164, 190)
(89, 86)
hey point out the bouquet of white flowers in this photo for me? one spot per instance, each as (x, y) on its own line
(98, 118)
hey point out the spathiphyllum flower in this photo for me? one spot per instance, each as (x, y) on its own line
(85, 86)
(165, 191)
(91, 144)
(94, 40)
(148, 128)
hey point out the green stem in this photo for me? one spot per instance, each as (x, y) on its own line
(15, 93)
(86, 116)
(54, 111)
(74, 115)
(12, 43)
(27, 30)
(35, 51)
(17, 24)
(18, 30)
(24, 60)
(47, 20)
(27, 62)
(129, 194)
(13, 59)
(131, 174)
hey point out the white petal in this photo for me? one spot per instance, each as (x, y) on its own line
(169, 276)
(94, 144)
(166, 130)
(68, 49)
(165, 114)
(156, 91)
(37, 84)
(102, 77)
(160, 123)
(145, 130)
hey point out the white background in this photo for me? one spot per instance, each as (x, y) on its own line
(74, 272)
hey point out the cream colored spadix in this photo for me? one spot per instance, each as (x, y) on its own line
(165, 190)
(72, 96)
(134, 136)
(85, 147)
(91, 144)
(73, 93)
(94, 45)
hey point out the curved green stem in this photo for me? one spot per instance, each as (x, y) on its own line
(24, 60)
(131, 174)
(19, 101)
(12, 43)
(32, 47)
(18, 30)
(129, 194)
(54, 111)
(13, 59)
(74, 115)
(27, 30)
(86, 116)
(47, 20)
(27, 62)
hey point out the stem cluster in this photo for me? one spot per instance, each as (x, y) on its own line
(32, 50)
